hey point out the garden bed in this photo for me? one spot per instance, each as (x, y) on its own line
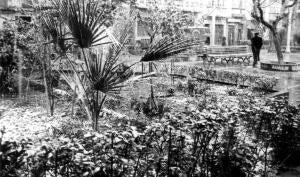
(220, 114)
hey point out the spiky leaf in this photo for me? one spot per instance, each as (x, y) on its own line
(167, 47)
(84, 20)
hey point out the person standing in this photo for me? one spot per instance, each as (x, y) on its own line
(207, 41)
(256, 44)
(224, 43)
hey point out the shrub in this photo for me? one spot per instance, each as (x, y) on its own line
(191, 86)
(232, 91)
(265, 83)
(12, 155)
(136, 105)
(113, 103)
(180, 86)
(170, 91)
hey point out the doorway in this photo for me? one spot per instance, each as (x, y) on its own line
(231, 35)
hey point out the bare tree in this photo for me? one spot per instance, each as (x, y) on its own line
(165, 21)
(258, 15)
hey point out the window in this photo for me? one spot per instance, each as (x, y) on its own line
(216, 3)
(236, 4)
(220, 3)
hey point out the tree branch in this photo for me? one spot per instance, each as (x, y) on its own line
(279, 18)
(291, 5)
(260, 18)
(284, 14)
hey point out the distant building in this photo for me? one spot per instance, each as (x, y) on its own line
(229, 19)
(10, 9)
(223, 18)
(296, 26)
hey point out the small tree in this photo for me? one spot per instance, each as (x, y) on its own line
(163, 19)
(258, 15)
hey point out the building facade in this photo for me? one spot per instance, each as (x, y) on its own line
(222, 18)
(296, 26)
(229, 19)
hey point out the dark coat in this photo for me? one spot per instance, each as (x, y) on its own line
(256, 42)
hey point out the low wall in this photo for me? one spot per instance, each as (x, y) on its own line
(223, 76)
(286, 66)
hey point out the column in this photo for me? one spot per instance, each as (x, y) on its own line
(213, 29)
(236, 32)
(225, 31)
(288, 39)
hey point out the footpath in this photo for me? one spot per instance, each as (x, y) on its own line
(288, 81)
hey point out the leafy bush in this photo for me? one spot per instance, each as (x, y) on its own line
(191, 86)
(11, 157)
(232, 91)
(265, 83)
(170, 91)
(113, 103)
(136, 105)
(180, 86)
(215, 136)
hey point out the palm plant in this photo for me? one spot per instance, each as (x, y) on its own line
(163, 49)
(80, 20)
(103, 74)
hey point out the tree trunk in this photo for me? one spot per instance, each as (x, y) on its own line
(152, 97)
(20, 75)
(277, 46)
(48, 79)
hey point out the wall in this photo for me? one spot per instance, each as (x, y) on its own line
(3, 3)
(296, 27)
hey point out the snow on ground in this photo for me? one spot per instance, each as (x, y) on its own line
(26, 122)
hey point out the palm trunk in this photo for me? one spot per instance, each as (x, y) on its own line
(98, 103)
(152, 102)
(48, 81)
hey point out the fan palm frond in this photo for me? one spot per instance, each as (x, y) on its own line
(105, 73)
(110, 81)
(167, 47)
(56, 31)
(84, 20)
(78, 87)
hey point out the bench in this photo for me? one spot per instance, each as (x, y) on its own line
(227, 54)
(183, 56)
(192, 51)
